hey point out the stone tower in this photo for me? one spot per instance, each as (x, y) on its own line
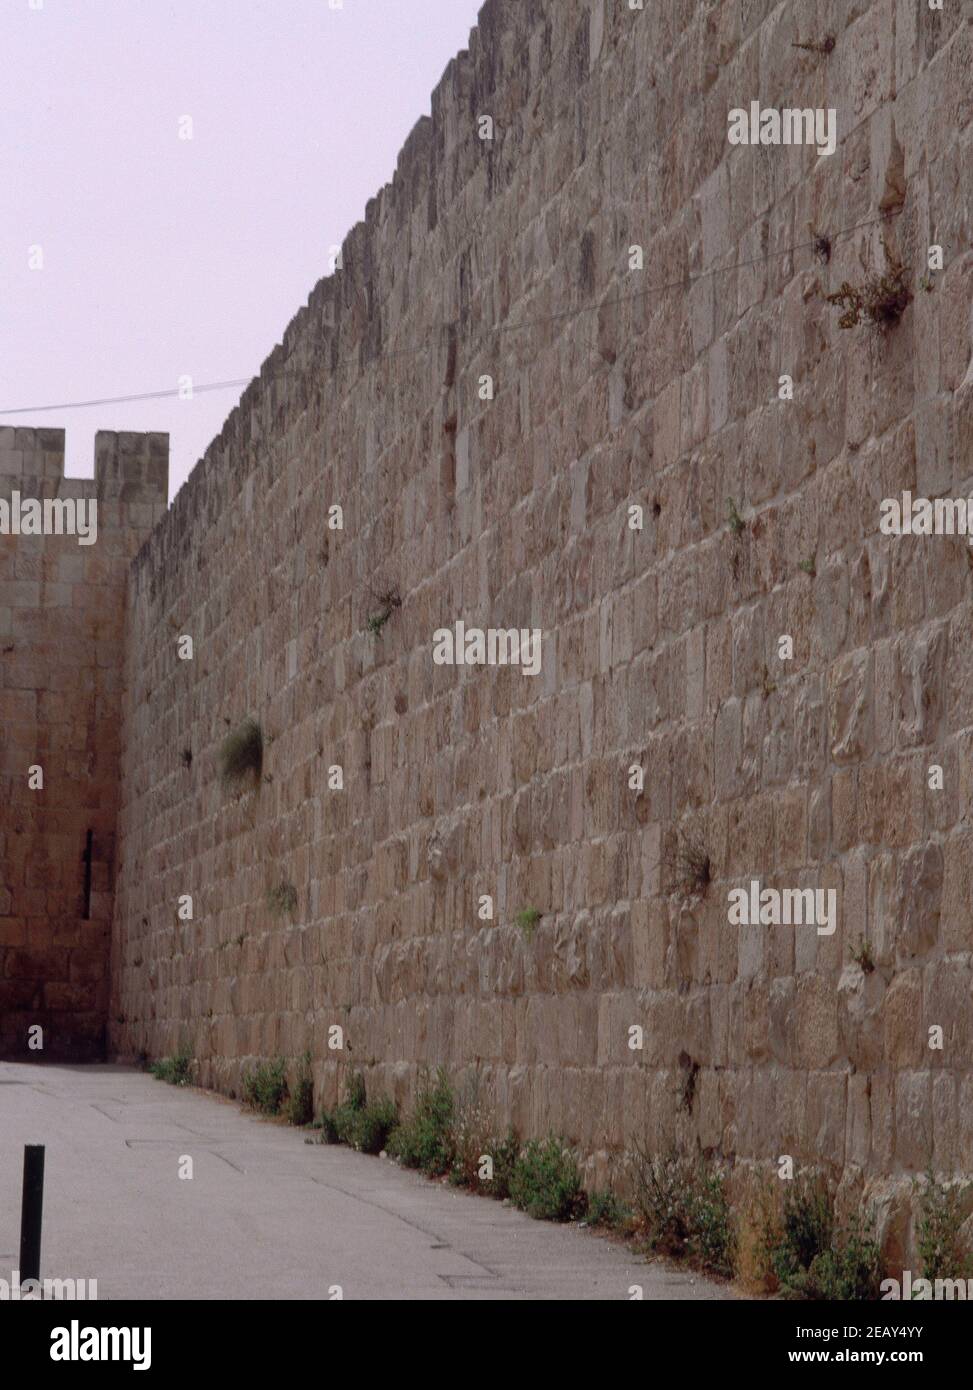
(61, 644)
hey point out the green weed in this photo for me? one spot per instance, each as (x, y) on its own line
(426, 1140)
(265, 1088)
(684, 1209)
(175, 1069)
(546, 1181)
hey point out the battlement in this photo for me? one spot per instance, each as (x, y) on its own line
(129, 466)
(31, 453)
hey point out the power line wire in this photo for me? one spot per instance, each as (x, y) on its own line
(557, 317)
(122, 400)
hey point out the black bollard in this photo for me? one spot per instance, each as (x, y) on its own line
(30, 1212)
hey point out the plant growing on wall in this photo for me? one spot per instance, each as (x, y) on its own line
(861, 954)
(687, 1088)
(527, 921)
(282, 899)
(690, 864)
(821, 243)
(388, 600)
(825, 45)
(242, 755)
(738, 528)
(879, 301)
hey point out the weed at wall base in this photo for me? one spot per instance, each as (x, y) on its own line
(608, 1211)
(300, 1106)
(362, 1126)
(176, 1070)
(546, 1182)
(504, 1153)
(684, 1209)
(483, 1159)
(265, 1088)
(811, 1255)
(375, 1123)
(328, 1127)
(426, 1139)
(939, 1240)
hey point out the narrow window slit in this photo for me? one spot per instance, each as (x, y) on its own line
(87, 877)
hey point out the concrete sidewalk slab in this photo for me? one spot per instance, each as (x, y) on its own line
(266, 1215)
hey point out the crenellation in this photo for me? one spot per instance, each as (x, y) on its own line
(132, 467)
(31, 453)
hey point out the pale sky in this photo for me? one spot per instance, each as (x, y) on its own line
(165, 257)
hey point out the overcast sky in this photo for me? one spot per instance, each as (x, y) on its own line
(164, 257)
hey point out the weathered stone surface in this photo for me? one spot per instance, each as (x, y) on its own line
(662, 647)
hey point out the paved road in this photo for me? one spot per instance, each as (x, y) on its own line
(266, 1215)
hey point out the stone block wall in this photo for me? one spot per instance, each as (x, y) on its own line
(614, 388)
(62, 628)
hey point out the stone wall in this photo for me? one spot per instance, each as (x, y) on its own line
(614, 387)
(62, 625)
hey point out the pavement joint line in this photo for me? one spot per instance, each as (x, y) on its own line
(383, 1231)
(432, 1235)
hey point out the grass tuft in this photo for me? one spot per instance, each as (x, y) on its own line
(527, 921)
(389, 600)
(691, 865)
(265, 1088)
(734, 519)
(176, 1070)
(546, 1181)
(362, 1126)
(282, 899)
(814, 1257)
(426, 1139)
(300, 1105)
(608, 1211)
